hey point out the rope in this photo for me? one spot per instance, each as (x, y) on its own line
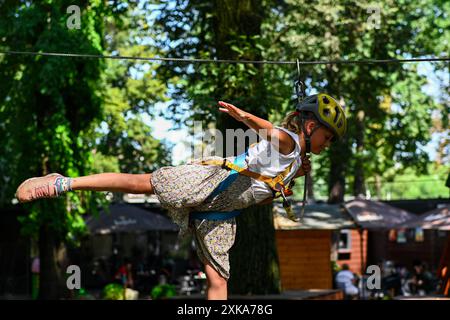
(188, 60)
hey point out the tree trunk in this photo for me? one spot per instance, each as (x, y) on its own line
(50, 284)
(310, 187)
(359, 188)
(253, 258)
(336, 182)
(339, 153)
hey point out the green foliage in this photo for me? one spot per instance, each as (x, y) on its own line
(125, 143)
(49, 106)
(395, 113)
(82, 294)
(335, 267)
(396, 184)
(52, 108)
(163, 291)
(113, 291)
(410, 185)
(201, 86)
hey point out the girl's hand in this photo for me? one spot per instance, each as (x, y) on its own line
(235, 112)
(306, 165)
(305, 168)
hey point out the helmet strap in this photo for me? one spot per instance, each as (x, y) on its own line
(307, 143)
(306, 136)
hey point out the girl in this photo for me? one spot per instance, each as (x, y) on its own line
(203, 196)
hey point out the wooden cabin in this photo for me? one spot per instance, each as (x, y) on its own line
(351, 234)
(304, 258)
(307, 250)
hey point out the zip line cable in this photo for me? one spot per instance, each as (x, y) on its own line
(188, 60)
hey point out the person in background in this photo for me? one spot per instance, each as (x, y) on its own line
(125, 274)
(346, 280)
(421, 282)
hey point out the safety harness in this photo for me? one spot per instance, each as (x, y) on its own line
(236, 167)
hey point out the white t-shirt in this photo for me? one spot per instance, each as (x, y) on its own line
(266, 160)
(344, 281)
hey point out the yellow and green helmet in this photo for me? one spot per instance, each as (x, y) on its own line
(327, 111)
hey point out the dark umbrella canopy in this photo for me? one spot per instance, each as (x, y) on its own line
(376, 215)
(124, 217)
(435, 219)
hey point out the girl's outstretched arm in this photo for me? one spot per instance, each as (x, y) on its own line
(279, 139)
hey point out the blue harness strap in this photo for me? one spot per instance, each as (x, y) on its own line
(222, 215)
(213, 215)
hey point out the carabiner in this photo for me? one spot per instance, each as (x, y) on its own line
(300, 87)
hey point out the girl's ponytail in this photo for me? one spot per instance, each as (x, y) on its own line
(292, 121)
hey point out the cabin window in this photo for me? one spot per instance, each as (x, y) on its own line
(345, 244)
